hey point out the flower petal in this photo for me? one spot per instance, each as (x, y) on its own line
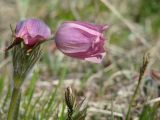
(38, 28)
(96, 59)
(66, 40)
(98, 28)
(19, 26)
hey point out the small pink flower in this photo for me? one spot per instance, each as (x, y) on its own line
(32, 31)
(81, 40)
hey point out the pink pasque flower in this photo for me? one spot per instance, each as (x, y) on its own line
(32, 31)
(81, 40)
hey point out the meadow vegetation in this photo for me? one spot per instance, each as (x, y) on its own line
(125, 86)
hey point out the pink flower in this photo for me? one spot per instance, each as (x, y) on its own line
(32, 31)
(81, 40)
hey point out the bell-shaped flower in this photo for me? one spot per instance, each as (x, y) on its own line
(81, 40)
(32, 31)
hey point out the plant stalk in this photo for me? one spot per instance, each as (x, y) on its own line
(142, 71)
(14, 104)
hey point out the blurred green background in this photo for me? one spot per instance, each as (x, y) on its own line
(134, 30)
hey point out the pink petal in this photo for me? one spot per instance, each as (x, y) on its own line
(70, 40)
(96, 59)
(98, 28)
(37, 27)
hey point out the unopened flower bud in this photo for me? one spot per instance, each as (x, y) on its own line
(81, 40)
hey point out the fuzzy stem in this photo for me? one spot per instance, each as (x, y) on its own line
(14, 104)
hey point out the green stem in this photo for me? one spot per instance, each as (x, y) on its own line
(132, 100)
(142, 71)
(14, 104)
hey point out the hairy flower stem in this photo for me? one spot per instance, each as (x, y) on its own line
(14, 104)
